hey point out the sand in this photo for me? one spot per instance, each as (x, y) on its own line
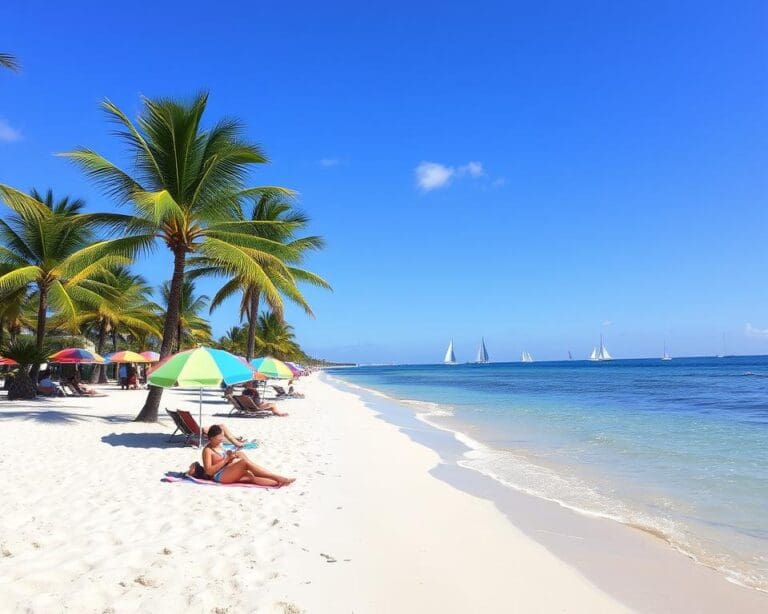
(88, 525)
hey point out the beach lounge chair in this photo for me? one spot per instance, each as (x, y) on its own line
(190, 422)
(248, 406)
(70, 388)
(280, 391)
(181, 427)
(236, 407)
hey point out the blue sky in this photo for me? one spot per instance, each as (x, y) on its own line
(532, 172)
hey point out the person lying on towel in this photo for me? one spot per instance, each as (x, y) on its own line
(232, 466)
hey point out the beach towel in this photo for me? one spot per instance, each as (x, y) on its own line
(177, 476)
(246, 445)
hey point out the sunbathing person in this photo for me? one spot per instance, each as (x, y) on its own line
(234, 440)
(46, 386)
(293, 393)
(234, 466)
(253, 402)
(79, 388)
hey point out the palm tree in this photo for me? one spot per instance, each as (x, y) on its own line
(276, 338)
(10, 62)
(280, 224)
(192, 327)
(11, 308)
(185, 189)
(48, 245)
(233, 340)
(128, 308)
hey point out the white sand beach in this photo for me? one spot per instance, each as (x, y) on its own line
(88, 525)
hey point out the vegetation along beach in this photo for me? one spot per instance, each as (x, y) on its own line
(383, 308)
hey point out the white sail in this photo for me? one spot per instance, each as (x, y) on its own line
(666, 356)
(450, 357)
(603, 354)
(482, 353)
(593, 355)
(526, 357)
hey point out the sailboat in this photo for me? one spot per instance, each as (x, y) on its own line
(666, 356)
(450, 357)
(600, 354)
(570, 356)
(482, 353)
(526, 357)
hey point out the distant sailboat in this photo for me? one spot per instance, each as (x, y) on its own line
(725, 353)
(526, 357)
(450, 357)
(482, 353)
(570, 356)
(666, 355)
(600, 354)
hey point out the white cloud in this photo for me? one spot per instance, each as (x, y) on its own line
(608, 323)
(473, 169)
(498, 182)
(8, 134)
(328, 162)
(751, 331)
(431, 175)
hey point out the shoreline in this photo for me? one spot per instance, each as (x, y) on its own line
(379, 520)
(673, 573)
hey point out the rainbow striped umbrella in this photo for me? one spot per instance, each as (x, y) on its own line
(297, 369)
(151, 356)
(201, 368)
(76, 356)
(260, 377)
(127, 356)
(272, 367)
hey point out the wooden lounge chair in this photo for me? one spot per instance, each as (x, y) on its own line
(190, 422)
(181, 427)
(248, 406)
(236, 407)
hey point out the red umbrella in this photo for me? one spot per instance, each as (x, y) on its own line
(7, 362)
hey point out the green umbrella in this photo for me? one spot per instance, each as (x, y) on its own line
(200, 368)
(272, 368)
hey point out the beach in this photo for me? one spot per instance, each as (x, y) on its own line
(377, 521)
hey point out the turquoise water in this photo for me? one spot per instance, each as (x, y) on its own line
(678, 448)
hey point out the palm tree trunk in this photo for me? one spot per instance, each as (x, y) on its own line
(42, 313)
(100, 371)
(253, 315)
(148, 413)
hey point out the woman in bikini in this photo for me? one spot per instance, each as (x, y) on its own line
(234, 466)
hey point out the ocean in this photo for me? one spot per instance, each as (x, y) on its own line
(676, 448)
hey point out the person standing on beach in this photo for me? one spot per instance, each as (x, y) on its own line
(122, 376)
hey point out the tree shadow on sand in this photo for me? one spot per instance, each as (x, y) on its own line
(141, 440)
(61, 417)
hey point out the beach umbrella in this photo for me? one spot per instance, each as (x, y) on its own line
(272, 368)
(74, 356)
(7, 362)
(257, 377)
(126, 356)
(151, 356)
(297, 369)
(201, 368)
